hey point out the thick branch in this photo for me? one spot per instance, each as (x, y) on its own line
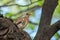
(49, 31)
(10, 31)
(47, 12)
(53, 29)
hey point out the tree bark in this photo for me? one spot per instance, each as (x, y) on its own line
(44, 26)
(10, 31)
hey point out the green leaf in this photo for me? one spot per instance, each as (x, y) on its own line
(57, 11)
(31, 26)
(56, 34)
(9, 15)
(40, 3)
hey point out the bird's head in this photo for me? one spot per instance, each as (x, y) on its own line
(28, 14)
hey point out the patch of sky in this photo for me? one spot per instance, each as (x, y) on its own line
(58, 32)
(33, 19)
(32, 33)
(37, 15)
(54, 20)
(4, 10)
(22, 2)
(53, 38)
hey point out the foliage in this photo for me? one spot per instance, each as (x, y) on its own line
(40, 3)
(57, 11)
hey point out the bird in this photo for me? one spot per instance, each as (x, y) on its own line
(22, 21)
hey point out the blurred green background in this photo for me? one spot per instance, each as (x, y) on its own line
(16, 8)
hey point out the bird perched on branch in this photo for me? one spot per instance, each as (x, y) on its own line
(21, 22)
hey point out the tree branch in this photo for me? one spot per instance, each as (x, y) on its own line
(53, 29)
(49, 31)
(4, 5)
(27, 10)
(17, 4)
(47, 12)
(8, 2)
(10, 31)
(33, 23)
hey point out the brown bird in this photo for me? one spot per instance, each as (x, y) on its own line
(21, 22)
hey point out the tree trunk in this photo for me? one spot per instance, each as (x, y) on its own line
(45, 30)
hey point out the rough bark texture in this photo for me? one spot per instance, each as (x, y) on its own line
(44, 32)
(9, 31)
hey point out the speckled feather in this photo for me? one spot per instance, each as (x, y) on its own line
(22, 22)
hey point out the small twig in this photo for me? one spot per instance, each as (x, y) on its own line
(27, 10)
(8, 2)
(33, 23)
(4, 5)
